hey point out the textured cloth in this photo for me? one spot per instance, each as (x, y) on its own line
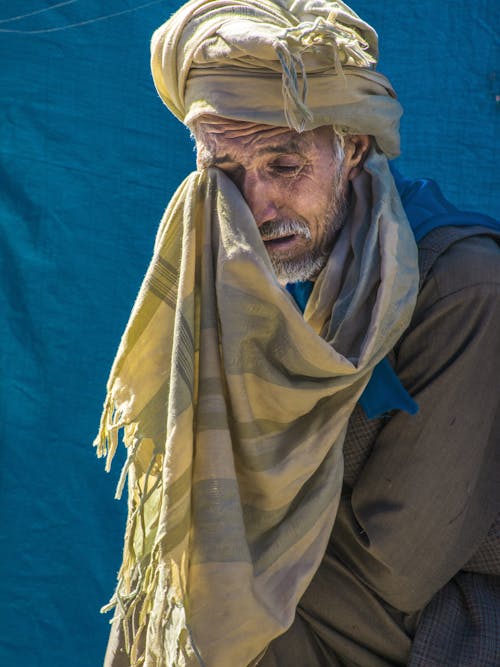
(301, 63)
(486, 559)
(470, 603)
(384, 392)
(235, 410)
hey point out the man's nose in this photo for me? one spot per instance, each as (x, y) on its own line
(261, 196)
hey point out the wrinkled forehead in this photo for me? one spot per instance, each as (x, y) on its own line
(211, 126)
(215, 133)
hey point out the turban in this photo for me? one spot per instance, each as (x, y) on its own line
(301, 63)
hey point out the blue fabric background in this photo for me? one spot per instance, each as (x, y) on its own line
(89, 158)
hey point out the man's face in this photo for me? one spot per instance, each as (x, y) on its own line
(295, 185)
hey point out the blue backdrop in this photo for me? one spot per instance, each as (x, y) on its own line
(89, 158)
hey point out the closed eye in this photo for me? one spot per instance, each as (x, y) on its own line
(286, 169)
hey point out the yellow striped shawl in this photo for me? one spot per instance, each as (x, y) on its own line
(234, 407)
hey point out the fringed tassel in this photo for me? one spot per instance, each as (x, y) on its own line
(106, 441)
(148, 630)
(294, 101)
(155, 630)
(348, 48)
(171, 635)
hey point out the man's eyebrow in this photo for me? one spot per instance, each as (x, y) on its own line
(291, 146)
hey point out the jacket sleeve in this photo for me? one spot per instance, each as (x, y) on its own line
(429, 491)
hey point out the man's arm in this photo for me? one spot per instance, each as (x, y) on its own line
(428, 492)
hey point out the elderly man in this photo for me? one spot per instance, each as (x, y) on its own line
(310, 421)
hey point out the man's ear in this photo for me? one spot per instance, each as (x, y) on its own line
(356, 149)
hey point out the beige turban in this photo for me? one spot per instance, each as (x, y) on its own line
(301, 63)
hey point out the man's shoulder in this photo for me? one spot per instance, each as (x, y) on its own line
(472, 262)
(457, 249)
(428, 211)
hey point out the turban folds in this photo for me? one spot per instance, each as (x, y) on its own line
(302, 63)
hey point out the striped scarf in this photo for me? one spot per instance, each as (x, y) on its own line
(234, 408)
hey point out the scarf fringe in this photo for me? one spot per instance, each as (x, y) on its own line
(144, 577)
(348, 48)
(139, 575)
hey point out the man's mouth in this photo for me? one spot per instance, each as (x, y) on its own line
(276, 240)
(283, 235)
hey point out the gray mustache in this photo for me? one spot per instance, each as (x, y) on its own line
(273, 229)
